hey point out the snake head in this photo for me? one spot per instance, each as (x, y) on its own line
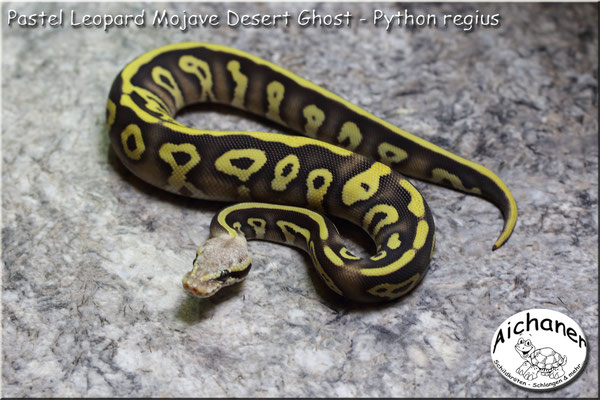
(221, 261)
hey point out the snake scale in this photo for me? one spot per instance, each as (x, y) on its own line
(348, 164)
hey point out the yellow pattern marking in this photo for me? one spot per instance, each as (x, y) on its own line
(241, 84)
(201, 70)
(432, 246)
(314, 119)
(275, 93)
(165, 80)
(315, 195)
(393, 267)
(330, 254)
(259, 225)
(316, 217)
(111, 109)
(281, 181)
(344, 252)
(152, 103)
(421, 235)
(390, 290)
(321, 271)
(379, 255)
(350, 132)
(224, 163)
(177, 180)
(289, 230)
(390, 154)
(140, 147)
(420, 238)
(416, 205)
(394, 241)
(438, 175)
(364, 185)
(391, 216)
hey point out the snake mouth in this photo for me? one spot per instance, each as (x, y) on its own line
(200, 288)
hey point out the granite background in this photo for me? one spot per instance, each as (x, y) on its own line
(93, 258)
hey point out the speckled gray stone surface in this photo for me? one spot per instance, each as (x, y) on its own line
(93, 258)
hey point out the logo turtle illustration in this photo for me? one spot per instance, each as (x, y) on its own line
(545, 361)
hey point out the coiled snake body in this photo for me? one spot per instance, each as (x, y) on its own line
(349, 165)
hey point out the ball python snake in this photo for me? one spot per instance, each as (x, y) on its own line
(348, 164)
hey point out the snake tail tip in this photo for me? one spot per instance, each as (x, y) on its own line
(499, 243)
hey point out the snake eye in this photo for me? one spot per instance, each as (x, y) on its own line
(224, 275)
